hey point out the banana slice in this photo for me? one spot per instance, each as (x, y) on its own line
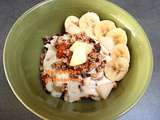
(81, 46)
(78, 58)
(87, 23)
(119, 36)
(104, 90)
(80, 52)
(72, 25)
(121, 50)
(116, 69)
(108, 43)
(102, 28)
(75, 45)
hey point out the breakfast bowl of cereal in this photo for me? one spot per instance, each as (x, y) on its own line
(77, 59)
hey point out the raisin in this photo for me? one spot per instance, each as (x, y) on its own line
(92, 41)
(103, 63)
(97, 60)
(64, 66)
(45, 49)
(51, 38)
(45, 40)
(84, 75)
(48, 42)
(97, 47)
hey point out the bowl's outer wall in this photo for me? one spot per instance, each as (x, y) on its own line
(22, 53)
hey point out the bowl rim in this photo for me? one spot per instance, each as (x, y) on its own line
(38, 114)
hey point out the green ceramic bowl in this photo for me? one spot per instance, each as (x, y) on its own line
(22, 52)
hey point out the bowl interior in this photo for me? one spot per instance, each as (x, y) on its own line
(22, 55)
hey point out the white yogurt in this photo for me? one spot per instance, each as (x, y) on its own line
(50, 57)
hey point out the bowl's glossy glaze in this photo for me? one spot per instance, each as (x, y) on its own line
(22, 51)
